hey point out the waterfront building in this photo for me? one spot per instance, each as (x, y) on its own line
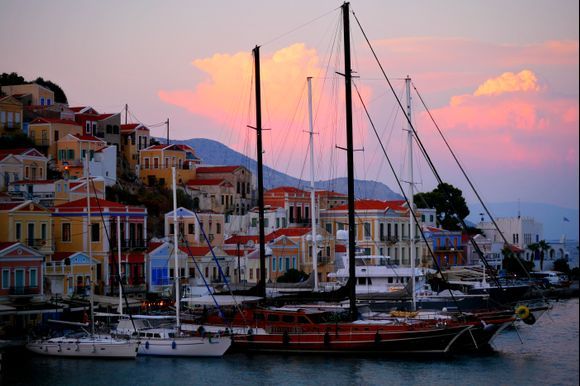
(156, 162)
(70, 273)
(327, 199)
(38, 95)
(29, 223)
(446, 246)
(189, 227)
(274, 218)
(104, 126)
(11, 115)
(239, 177)
(70, 231)
(519, 231)
(296, 204)
(212, 194)
(492, 251)
(42, 192)
(24, 164)
(21, 271)
(45, 133)
(134, 138)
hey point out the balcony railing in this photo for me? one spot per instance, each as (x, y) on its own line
(11, 126)
(390, 239)
(38, 243)
(129, 244)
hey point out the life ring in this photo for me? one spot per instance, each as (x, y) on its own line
(523, 312)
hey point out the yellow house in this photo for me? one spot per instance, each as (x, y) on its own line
(10, 115)
(156, 162)
(189, 227)
(71, 153)
(45, 133)
(72, 231)
(28, 223)
(70, 273)
(41, 96)
(134, 138)
(21, 164)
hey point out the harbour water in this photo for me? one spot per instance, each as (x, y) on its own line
(549, 355)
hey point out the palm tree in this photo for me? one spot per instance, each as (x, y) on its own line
(543, 246)
(534, 248)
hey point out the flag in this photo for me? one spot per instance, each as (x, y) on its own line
(566, 219)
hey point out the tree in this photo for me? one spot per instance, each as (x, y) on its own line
(449, 203)
(561, 265)
(534, 248)
(543, 246)
(11, 79)
(59, 95)
(514, 264)
(292, 276)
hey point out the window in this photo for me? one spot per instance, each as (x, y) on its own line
(70, 154)
(273, 264)
(218, 228)
(88, 127)
(42, 101)
(18, 231)
(95, 232)
(66, 235)
(171, 229)
(33, 280)
(294, 262)
(280, 265)
(155, 162)
(5, 278)
(3, 116)
(16, 117)
(48, 101)
(190, 229)
(146, 162)
(109, 129)
(367, 230)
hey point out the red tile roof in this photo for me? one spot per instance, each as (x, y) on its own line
(374, 205)
(81, 204)
(290, 232)
(217, 169)
(9, 205)
(195, 251)
(54, 120)
(34, 182)
(60, 256)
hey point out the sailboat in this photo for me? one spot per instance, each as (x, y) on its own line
(172, 340)
(301, 330)
(85, 343)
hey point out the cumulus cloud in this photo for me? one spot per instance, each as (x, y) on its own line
(523, 81)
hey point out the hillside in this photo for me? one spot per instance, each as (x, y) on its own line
(214, 153)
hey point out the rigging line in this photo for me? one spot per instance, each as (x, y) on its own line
(465, 173)
(298, 28)
(403, 192)
(115, 264)
(427, 157)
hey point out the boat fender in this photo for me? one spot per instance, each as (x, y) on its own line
(174, 345)
(377, 338)
(77, 347)
(523, 312)
(286, 338)
(59, 348)
(250, 332)
(147, 345)
(326, 338)
(530, 319)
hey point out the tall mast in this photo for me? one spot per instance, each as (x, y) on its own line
(312, 192)
(89, 247)
(262, 246)
(119, 262)
(411, 191)
(175, 248)
(350, 161)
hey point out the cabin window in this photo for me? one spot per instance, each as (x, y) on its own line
(273, 318)
(288, 318)
(303, 319)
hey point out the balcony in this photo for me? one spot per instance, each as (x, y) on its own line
(389, 239)
(11, 126)
(38, 243)
(129, 244)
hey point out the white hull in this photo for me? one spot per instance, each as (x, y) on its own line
(185, 346)
(86, 347)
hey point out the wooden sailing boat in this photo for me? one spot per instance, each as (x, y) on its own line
(299, 330)
(86, 344)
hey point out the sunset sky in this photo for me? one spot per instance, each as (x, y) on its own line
(499, 77)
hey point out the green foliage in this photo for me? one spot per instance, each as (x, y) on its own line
(449, 203)
(292, 276)
(59, 95)
(13, 79)
(561, 265)
(16, 141)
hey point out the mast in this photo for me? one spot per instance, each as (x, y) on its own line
(175, 247)
(262, 246)
(312, 192)
(350, 161)
(89, 247)
(119, 252)
(412, 251)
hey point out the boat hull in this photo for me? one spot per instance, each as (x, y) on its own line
(375, 341)
(64, 347)
(185, 346)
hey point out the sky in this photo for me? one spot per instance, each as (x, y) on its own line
(500, 79)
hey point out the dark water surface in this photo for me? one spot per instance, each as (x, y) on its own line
(548, 356)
